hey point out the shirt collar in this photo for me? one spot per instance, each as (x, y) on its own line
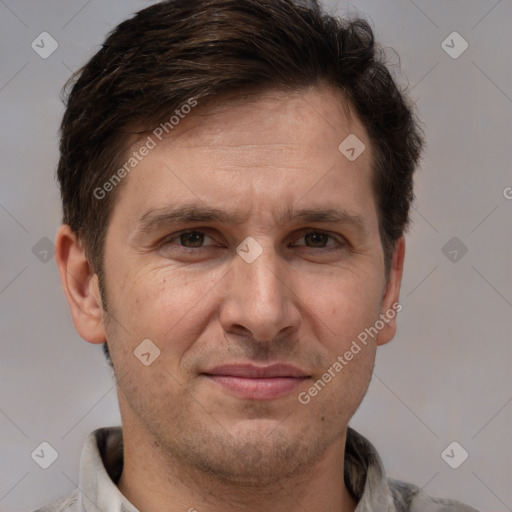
(365, 476)
(101, 465)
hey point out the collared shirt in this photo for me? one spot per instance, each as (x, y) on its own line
(101, 465)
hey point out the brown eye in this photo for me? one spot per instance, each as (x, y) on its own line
(194, 238)
(317, 239)
(189, 240)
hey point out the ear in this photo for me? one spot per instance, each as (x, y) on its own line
(80, 285)
(390, 305)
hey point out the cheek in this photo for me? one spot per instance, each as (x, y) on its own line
(344, 307)
(164, 303)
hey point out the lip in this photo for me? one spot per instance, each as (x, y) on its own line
(249, 381)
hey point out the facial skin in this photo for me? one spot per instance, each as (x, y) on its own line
(189, 442)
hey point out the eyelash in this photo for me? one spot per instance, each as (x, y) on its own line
(341, 244)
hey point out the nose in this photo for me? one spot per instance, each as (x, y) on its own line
(260, 298)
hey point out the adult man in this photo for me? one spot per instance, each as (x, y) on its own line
(236, 179)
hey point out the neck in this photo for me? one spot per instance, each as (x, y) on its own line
(153, 481)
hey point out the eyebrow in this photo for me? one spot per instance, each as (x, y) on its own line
(155, 219)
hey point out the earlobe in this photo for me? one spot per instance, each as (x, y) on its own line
(390, 301)
(80, 286)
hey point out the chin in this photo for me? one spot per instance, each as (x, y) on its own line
(258, 453)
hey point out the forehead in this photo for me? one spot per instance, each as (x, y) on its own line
(280, 146)
(313, 118)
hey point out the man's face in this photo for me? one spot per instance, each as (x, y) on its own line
(302, 302)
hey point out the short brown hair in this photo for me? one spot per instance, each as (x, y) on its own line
(178, 50)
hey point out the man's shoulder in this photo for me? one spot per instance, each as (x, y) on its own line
(410, 498)
(64, 504)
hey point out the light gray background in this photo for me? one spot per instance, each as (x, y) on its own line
(446, 376)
